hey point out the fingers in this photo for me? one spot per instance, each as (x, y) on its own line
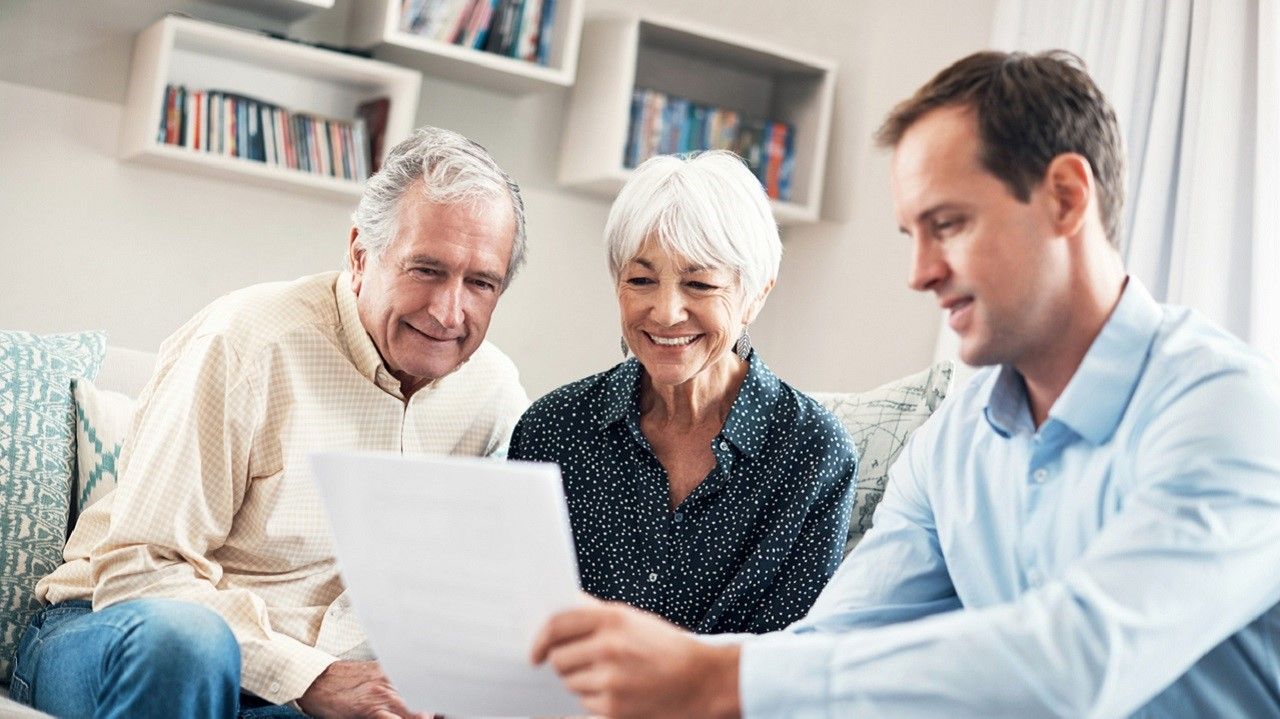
(568, 626)
(574, 656)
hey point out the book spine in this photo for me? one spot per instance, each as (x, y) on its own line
(546, 25)
(527, 38)
(454, 30)
(181, 108)
(482, 23)
(631, 155)
(788, 165)
(361, 140)
(777, 146)
(252, 131)
(268, 134)
(317, 162)
(189, 120)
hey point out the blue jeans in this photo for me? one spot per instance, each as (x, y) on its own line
(142, 658)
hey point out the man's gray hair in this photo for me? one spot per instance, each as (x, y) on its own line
(453, 169)
(704, 207)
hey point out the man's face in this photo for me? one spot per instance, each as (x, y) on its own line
(988, 257)
(426, 300)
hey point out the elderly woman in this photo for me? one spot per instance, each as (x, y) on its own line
(700, 486)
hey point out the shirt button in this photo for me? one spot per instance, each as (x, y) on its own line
(1040, 475)
(274, 688)
(653, 576)
(724, 445)
(679, 516)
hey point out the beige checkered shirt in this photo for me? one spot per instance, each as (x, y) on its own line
(215, 502)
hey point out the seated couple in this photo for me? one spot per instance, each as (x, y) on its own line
(1084, 530)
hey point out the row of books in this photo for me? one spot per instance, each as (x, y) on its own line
(663, 124)
(514, 28)
(225, 123)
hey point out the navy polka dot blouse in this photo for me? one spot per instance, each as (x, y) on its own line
(748, 550)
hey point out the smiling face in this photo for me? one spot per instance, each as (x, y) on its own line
(991, 259)
(680, 319)
(427, 298)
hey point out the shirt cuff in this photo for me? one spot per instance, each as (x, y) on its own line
(282, 671)
(724, 640)
(784, 674)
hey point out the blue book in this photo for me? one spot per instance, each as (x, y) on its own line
(788, 166)
(545, 24)
(242, 128)
(697, 128)
(631, 156)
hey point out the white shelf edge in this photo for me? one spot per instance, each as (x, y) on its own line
(285, 10)
(753, 44)
(351, 67)
(608, 185)
(489, 60)
(241, 168)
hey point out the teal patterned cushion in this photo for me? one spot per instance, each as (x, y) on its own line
(879, 422)
(37, 454)
(102, 421)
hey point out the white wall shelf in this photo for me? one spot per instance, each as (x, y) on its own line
(285, 10)
(200, 55)
(708, 66)
(376, 24)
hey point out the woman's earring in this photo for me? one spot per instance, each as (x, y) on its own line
(742, 347)
(626, 351)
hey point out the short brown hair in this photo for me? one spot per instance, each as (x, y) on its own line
(1030, 109)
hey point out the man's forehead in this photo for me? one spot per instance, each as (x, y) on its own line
(937, 153)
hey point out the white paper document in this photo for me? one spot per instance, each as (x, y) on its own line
(453, 565)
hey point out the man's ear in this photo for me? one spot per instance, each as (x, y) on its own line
(1069, 180)
(356, 257)
(757, 304)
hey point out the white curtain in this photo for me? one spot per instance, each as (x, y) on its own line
(1196, 88)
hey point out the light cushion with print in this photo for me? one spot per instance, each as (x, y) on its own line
(102, 420)
(37, 457)
(879, 422)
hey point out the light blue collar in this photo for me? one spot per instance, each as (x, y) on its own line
(1095, 399)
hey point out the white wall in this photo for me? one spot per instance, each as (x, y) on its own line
(91, 242)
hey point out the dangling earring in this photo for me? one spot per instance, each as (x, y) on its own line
(626, 351)
(742, 347)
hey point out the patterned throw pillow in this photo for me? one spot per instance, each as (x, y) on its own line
(879, 422)
(37, 430)
(102, 420)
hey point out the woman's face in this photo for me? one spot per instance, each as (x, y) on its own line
(677, 318)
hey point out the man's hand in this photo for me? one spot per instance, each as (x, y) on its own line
(624, 663)
(354, 689)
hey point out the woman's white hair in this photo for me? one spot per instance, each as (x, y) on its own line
(704, 207)
(454, 170)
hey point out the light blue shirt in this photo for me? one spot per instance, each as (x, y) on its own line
(1124, 559)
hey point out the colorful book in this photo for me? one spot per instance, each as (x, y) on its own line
(526, 47)
(546, 24)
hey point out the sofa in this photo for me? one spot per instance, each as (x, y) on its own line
(66, 403)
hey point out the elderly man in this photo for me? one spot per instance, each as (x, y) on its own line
(209, 569)
(1089, 529)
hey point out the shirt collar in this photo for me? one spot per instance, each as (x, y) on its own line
(364, 354)
(621, 393)
(752, 407)
(1095, 399)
